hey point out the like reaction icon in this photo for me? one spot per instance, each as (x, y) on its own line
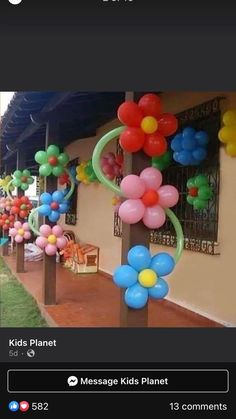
(13, 406)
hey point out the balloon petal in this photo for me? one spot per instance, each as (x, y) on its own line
(131, 211)
(159, 290)
(132, 187)
(50, 249)
(57, 230)
(152, 178)
(154, 217)
(125, 276)
(136, 296)
(168, 196)
(139, 257)
(162, 263)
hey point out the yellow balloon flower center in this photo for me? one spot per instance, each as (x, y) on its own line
(52, 239)
(147, 278)
(21, 232)
(149, 124)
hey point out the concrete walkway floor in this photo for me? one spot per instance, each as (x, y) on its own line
(92, 300)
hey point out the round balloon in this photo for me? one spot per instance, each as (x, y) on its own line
(154, 217)
(151, 177)
(131, 211)
(150, 104)
(136, 296)
(167, 124)
(53, 150)
(147, 278)
(125, 276)
(132, 139)
(159, 290)
(132, 187)
(168, 196)
(155, 145)
(163, 264)
(130, 114)
(139, 257)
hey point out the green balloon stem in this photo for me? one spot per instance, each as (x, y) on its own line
(179, 234)
(72, 185)
(97, 158)
(8, 190)
(31, 222)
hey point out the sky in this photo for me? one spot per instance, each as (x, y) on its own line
(5, 98)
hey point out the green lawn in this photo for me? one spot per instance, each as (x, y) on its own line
(17, 307)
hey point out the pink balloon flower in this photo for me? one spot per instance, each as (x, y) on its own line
(5, 203)
(51, 239)
(147, 199)
(20, 232)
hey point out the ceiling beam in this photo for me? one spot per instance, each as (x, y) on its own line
(57, 100)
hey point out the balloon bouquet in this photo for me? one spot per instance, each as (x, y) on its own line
(143, 197)
(52, 162)
(16, 207)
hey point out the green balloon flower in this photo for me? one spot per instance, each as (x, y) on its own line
(90, 172)
(51, 161)
(199, 192)
(162, 162)
(22, 179)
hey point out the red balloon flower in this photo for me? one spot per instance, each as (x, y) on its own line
(21, 206)
(112, 165)
(64, 179)
(146, 126)
(6, 221)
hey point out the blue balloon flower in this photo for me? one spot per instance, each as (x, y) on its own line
(142, 276)
(190, 147)
(53, 205)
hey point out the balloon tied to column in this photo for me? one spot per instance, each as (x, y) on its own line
(142, 197)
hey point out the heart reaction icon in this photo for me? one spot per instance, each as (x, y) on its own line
(24, 406)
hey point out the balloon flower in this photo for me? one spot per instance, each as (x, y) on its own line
(51, 239)
(147, 199)
(21, 206)
(142, 276)
(227, 134)
(53, 205)
(6, 221)
(162, 162)
(22, 179)
(4, 182)
(116, 202)
(51, 161)
(112, 165)
(146, 126)
(190, 147)
(20, 232)
(5, 204)
(64, 179)
(199, 192)
(85, 173)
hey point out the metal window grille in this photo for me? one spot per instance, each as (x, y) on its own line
(200, 227)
